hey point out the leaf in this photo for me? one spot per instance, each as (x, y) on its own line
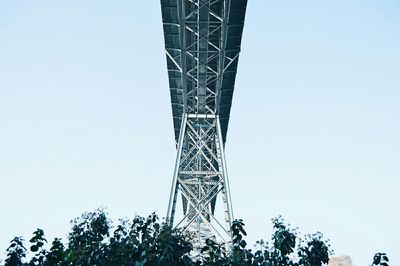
(34, 248)
(242, 230)
(377, 258)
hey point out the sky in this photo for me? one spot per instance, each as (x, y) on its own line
(86, 122)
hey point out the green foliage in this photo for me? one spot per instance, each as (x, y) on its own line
(147, 241)
(380, 259)
(214, 253)
(283, 251)
(142, 241)
(287, 249)
(315, 251)
(38, 241)
(284, 242)
(85, 241)
(283, 237)
(56, 255)
(15, 252)
(239, 254)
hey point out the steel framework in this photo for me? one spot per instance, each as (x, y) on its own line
(202, 43)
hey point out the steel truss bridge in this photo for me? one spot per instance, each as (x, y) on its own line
(202, 44)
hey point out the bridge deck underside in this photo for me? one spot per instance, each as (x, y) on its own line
(202, 42)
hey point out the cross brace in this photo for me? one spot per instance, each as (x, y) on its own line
(200, 177)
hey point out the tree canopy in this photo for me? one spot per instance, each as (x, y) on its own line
(93, 240)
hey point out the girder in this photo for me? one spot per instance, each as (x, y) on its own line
(202, 43)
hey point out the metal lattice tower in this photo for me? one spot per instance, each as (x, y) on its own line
(202, 43)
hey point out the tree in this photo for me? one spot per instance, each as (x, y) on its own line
(38, 241)
(286, 248)
(142, 241)
(15, 252)
(93, 240)
(380, 259)
(315, 251)
(56, 255)
(85, 241)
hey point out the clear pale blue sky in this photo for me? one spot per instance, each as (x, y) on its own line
(85, 118)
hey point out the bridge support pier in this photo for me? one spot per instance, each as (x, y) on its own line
(201, 177)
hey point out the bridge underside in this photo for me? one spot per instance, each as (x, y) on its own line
(202, 43)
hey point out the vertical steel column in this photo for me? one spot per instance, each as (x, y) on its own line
(174, 187)
(226, 194)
